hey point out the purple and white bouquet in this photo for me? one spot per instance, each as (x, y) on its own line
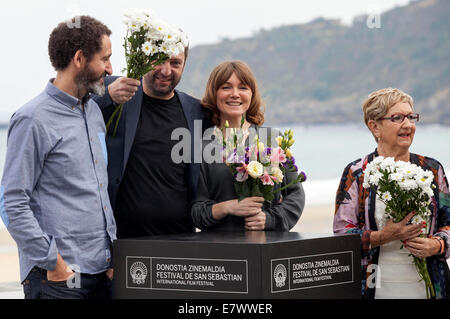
(258, 168)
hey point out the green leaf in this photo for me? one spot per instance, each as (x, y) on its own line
(242, 190)
(256, 191)
(269, 196)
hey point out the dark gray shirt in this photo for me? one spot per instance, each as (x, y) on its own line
(53, 195)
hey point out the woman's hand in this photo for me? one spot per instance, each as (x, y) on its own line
(422, 247)
(256, 222)
(396, 231)
(401, 230)
(247, 207)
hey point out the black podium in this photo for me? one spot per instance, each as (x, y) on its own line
(251, 265)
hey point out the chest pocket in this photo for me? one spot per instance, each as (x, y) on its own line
(101, 137)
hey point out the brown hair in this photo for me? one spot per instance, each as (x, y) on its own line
(65, 40)
(219, 76)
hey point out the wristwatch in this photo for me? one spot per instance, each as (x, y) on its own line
(441, 242)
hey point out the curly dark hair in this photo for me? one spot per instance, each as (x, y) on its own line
(66, 39)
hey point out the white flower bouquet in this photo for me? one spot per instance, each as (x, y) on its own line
(404, 188)
(149, 42)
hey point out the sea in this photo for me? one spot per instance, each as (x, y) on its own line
(323, 151)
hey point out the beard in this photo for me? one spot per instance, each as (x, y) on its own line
(91, 82)
(159, 90)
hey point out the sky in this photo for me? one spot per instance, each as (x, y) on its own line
(26, 25)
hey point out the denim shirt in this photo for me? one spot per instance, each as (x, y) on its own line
(53, 194)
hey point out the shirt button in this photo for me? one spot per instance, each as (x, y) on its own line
(105, 207)
(101, 185)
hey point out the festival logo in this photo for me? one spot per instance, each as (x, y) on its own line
(280, 275)
(138, 272)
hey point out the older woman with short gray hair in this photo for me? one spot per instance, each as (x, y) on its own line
(387, 270)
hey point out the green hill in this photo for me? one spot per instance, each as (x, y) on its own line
(320, 72)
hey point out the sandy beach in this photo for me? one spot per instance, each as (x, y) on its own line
(9, 259)
(10, 287)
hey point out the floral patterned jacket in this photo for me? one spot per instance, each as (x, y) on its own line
(355, 207)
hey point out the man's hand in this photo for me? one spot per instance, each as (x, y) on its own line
(123, 89)
(110, 273)
(62, 272)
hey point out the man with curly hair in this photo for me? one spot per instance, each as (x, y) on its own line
(53, 196)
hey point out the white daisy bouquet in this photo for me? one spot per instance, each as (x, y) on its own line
(404, 188)
(257, 168)
(149, 42)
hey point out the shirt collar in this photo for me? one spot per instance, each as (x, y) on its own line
(63, 97)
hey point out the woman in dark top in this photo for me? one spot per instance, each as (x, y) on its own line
(231, 92)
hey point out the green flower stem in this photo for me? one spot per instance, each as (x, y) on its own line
(118, 110)
(421, 266)
(118, 119)
(297, 180)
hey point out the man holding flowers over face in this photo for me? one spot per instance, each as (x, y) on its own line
(150, 193)
(53, 195)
